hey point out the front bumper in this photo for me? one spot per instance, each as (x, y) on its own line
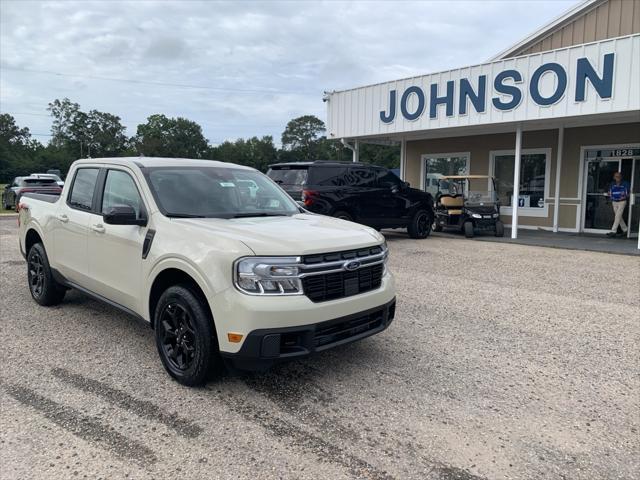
(264, 347)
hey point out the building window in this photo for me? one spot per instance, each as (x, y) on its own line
(534, 180)
(436, 166)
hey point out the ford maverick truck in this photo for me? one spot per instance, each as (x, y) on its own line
(216, 257)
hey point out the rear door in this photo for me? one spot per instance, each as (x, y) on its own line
(391, 199)
(364, 191)
(72, 224)
(115, 251)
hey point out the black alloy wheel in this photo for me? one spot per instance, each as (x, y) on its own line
(186, 337)
(342, 215)
(178, 336)
(421, 223)
(43, 287)
(36, 274)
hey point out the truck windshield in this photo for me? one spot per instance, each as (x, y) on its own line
(217, 192)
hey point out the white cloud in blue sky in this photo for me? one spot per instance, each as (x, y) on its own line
(261, 63)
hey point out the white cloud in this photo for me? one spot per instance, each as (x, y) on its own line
(300, 48)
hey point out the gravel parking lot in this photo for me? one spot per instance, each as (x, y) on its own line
(504, 361)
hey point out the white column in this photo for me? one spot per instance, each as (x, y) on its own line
(356, 151)
(403, 159)
(516, 183)
(556, 200)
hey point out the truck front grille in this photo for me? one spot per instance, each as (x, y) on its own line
(331, 286)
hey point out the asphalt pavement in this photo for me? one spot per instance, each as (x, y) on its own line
(504, 361)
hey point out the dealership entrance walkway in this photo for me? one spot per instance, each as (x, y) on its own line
(570, 241)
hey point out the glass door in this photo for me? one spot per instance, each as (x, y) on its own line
(435, 167)
(634, 202)
(599, 212)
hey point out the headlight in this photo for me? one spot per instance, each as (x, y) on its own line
(496, 215)
(476, 215)
(268, 275)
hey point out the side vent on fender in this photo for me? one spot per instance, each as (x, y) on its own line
(148, 240)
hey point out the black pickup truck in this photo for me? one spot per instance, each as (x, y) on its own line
(359, 192)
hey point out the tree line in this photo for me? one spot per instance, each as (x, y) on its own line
(76, 133)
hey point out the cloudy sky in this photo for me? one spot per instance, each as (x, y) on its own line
(238, 68)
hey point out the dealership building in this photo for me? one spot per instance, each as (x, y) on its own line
(554, 115)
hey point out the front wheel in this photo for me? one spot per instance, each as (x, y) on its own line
(499, 229)
(420, 224)
(43, 287)
(468, 229)
(185, 337)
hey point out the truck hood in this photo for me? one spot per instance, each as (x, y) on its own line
(300, 234)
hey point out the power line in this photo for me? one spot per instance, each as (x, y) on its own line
(208, 125)
(147, 82)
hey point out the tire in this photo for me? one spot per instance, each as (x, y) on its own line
(468, 229)
(43, 287)
(341, 214)
(499, 229)
(420, 224)
(185, 337)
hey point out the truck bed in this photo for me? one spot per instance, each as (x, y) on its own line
(45, 197)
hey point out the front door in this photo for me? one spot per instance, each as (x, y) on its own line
(115, 251)
(599, 212)
(600, 167)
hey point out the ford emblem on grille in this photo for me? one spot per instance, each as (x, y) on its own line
(352, 265)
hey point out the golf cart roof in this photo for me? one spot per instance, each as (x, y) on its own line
(462, 177)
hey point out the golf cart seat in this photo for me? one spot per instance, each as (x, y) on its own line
(449, 201)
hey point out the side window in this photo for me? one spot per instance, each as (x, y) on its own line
(328, 176)
(362, 177)
(120, 189)
(84, 183)
(387, 179)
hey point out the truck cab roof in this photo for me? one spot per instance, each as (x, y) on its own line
(144, 162)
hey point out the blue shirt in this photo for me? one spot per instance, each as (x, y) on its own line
(619, 192)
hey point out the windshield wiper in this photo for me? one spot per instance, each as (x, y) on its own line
(259, 214)
(184, 215)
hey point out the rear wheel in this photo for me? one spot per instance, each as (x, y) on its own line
(341, 214)
(420, 224)
(185, 337)
(499, 229)
(43, 287)
(468, 229)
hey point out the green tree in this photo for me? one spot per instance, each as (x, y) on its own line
(84, 134)
(19, 153)
(302, 136)
(178, 137)
(254, 152)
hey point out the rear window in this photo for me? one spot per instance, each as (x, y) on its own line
(288, 176)
(33, 182)
(84, 184)
(328, 176)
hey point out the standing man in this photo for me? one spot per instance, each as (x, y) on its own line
(619, 194)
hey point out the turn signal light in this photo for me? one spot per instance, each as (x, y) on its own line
(234, 337)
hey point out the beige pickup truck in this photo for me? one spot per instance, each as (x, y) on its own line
(217, 258)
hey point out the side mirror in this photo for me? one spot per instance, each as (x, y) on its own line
(394, 189)
(123, 215)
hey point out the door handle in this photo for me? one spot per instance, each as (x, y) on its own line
(98, 227)
(63, 218)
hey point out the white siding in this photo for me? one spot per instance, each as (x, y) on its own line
(356, 113)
